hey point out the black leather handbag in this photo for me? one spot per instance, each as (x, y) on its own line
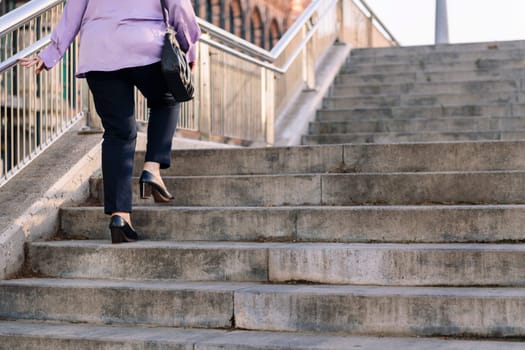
(174, 65)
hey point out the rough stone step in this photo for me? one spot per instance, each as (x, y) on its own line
(398, 264)
(394, 137)
(46, 336)
(257, 190)
(327, 263)
(455, 49)
(430, 77)
(50, 336)
(201, 305)
(358, 58)
(152, 260)
(396, 78)
(361, 224)
(468, 110)
(499, 187)
(414, 125)
(494, 98)
(399, 311)
(479, 64)
(247, 161)
(410, 157)
(486, 86)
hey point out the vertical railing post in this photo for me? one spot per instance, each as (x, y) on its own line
(268, 105)
(309, 60)
(203, 104)
(370, 30)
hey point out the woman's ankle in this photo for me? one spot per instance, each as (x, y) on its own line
(152, 167)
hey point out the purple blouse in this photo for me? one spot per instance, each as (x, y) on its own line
(116, 34)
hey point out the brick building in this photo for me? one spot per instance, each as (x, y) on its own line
(260, 21)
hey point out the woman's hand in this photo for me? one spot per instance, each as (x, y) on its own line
(33, 61)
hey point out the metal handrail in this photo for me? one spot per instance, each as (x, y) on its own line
(11, 61)
(24, 13)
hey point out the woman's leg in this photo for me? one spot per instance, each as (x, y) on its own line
(164, 115)
(114, 102)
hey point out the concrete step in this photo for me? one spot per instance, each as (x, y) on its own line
(200, 305)
(248, 161)
(243, 190)
(396, 137)
(395, 78)
(467, 110)
(414, 125)
(181, 261)
(399, 264)
(432, 57)
(431, 77)
(454, 49)
(50, 336)
(487, 86)
(356, 157)
(437, 100)
(327, 263)
(399, 311)
(396, 311)
(361, 224)
(500, 187)
(481, 63)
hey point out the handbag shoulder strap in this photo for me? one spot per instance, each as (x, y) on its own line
(165, 12)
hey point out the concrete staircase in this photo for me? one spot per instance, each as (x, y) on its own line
(449, 93)
(369, 245)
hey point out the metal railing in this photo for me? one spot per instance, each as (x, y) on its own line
(34, 110)
(240, 87)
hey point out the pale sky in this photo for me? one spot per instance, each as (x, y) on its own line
(412, 21)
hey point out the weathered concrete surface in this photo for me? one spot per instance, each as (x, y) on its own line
(30, 202)
(489, 51)
(444, 99)
(454, 156)
(261, 190)
(362, 264)
(469, 110)
(187, 223)
(198, 305)
(252, 161)
(408, 311)
(457, 49)
(399, 264)
(146, 260)
(418, 224)
(46, 336)
(499, 187)
(435, 157)
(488, 85)
(410, 137)
(361, 224)
(413, 125)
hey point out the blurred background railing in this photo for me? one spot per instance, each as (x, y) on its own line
(241, 88)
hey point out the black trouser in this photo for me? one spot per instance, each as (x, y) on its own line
(114, 102)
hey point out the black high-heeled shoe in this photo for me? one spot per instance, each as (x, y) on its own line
(150, 185)
(121, 232)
